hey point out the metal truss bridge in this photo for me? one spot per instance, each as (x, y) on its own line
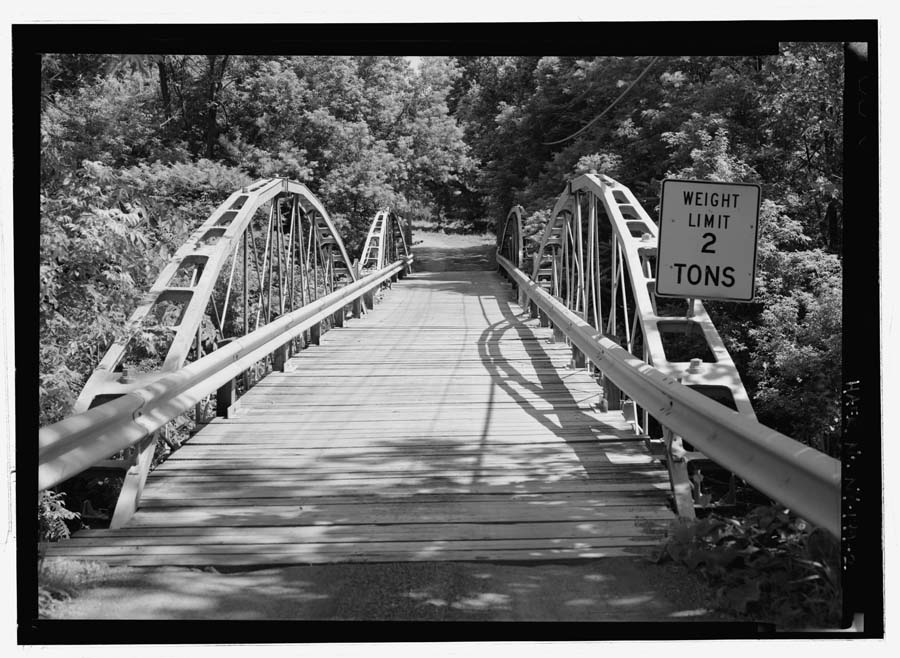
(360, 411)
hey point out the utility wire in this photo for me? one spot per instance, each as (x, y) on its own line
(611, 105)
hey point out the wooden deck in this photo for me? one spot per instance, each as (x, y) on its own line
(443, 426)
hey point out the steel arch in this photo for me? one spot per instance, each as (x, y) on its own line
(597, 256)
(385, 241)
(510, 243)
(188, 282)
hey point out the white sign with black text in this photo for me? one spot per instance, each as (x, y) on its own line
(707, 240)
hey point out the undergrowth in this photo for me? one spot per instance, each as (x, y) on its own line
(767, 566)
(60, 580)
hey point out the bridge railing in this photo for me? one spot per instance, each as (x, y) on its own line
(801, 478)
(74, 444)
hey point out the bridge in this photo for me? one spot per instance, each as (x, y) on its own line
(364, 411)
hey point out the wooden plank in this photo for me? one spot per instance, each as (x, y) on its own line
(291, 489)
(612, 493)
(249, 516)
(423, 445)
(370, 532)
(357, 547)
(257, 558)
(413, 467)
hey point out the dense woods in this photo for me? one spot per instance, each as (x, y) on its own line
(777, 121)
(137, 150)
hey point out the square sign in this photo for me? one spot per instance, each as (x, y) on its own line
(707, 240)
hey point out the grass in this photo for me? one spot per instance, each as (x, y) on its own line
(60, 580)
(432, 235)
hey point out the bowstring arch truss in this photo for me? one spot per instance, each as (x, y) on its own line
(268, 249)
(386, 241)
(597, 255)
(510, 242)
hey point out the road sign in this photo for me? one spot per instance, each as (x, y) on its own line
(707, 240)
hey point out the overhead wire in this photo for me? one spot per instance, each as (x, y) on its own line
(609, 107)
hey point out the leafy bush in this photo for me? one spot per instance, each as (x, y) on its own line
(52, 516)
(769, 566)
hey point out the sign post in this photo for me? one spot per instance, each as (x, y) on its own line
(707, 240)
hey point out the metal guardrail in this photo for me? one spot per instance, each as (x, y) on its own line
(76, 443)
(799, 477)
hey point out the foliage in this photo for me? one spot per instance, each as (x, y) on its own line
(103, 241)
(60, 580)
(365, 132)
(136, 151)
(52, 516)
(772, 120)
(768, 566)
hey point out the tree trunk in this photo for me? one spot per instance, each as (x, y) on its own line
(164, 88)
(215, 86)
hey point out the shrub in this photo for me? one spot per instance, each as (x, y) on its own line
(768, 565)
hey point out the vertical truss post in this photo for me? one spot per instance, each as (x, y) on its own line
(614, 283)
(304, 264)
(331, 270)
(595, 263)
(246, 298)
(198, 408)
(579, 259)
(270, 243)
(280, 247)
(356, 306)
(314, 241)
(628, 343)
(292, 252)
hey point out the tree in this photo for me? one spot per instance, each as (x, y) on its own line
(533, 122)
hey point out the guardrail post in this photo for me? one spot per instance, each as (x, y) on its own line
(369, 298)
(315, 334)
(338, 317)
(226, 397)
(280, 358)
(135, 478)
(533, 308)
(678, 475)
(611, 393)
(578, 358)
(356, 308)
(559, 335)
(544, 318)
